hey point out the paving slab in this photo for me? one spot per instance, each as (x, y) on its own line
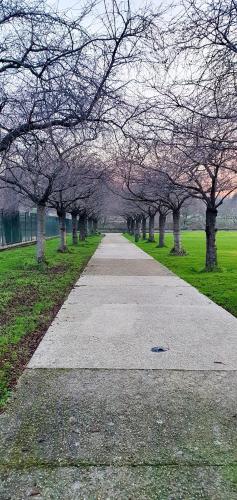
(122, 336)
(121, 252)
(121, 417)
(129, 280)
(160, 293)
(125, 267)
(123, 483)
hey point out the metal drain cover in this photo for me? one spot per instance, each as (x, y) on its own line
(159, 349)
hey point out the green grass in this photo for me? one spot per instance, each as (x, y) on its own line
(30, 296)
(221, 285)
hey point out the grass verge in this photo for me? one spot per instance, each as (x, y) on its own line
(30, 297)
(221, 285)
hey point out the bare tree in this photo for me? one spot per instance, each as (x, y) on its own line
(31, 169)
(200, 159)
(43, 168)
(57, 72)
(192, 122)
(163, 211)
(88, 207)
(145, 179)
(75, 185)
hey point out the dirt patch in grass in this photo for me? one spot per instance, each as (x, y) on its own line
(25, 297)
(56, 269)
(17, 359)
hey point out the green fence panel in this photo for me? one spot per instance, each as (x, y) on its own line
(51, 226)
(19, 227)
(10, 228)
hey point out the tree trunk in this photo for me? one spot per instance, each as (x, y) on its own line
(177, 248)
(143, 227)
(82, 227)
(86, 226)
(137, 230)
(40, 238)
(74, 229)
(94, 225)
(151, 237)
(162, 221)
(211, 250)
(90, 226)
(63, 232)
(128, 224)
(132, 226)
(128, 220)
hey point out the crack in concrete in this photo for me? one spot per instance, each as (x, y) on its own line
(72, 463)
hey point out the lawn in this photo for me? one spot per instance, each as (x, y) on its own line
(220, 286)
(30, 296)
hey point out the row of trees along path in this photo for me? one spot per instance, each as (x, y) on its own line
(73, 115)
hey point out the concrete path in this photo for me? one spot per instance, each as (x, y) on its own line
(99, 415)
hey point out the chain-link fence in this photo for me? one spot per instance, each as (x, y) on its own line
(19, 227)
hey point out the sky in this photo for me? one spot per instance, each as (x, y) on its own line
(73, 7)
(74, 4)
